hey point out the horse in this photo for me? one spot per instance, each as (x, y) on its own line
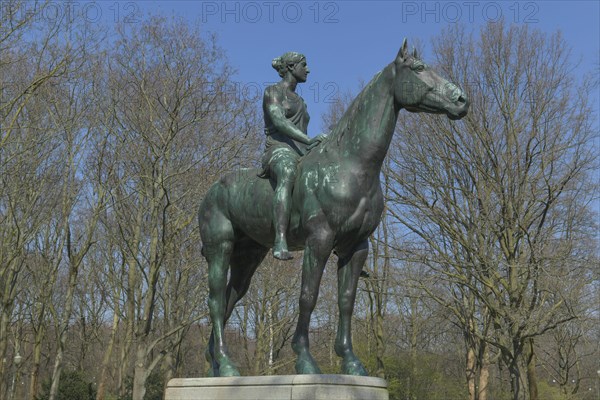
(337, 203)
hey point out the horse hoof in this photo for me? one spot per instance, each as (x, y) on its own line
(354, 367)
(307, 367)
(228, 370)
(282, 255)
(280, 249)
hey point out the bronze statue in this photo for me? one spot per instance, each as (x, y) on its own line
(336, 204)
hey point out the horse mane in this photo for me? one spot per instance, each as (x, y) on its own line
(343, 125)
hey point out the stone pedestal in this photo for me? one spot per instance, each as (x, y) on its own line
(288, 387)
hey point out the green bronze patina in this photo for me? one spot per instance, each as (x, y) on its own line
(286, 123)
(336, 204)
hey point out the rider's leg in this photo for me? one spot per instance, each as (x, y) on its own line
(284, 171)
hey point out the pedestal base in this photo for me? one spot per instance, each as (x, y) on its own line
(288, 387)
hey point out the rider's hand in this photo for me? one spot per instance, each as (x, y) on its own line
(314, 142)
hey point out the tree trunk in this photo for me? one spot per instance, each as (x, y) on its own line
(471, 375)
(130, 302)
(414, 341)
(64, 327)
(261, 339)
(100, 394)
(143, 366)
(4, 323)
(57, 371)
(484, 374)
(8, 297)
(377, 299)
(270, 321)
(531, 371)
(515, 379)
(17, 394)
(169, 364)
(40, 333)
(379, 345)
(140, 374)
(124, 364)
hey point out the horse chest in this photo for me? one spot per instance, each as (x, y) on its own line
(353, 206)
(342, 196)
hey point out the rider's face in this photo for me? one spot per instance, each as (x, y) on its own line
(300, 71)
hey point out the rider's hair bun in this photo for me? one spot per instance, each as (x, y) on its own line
(290, 58)
(279, 66)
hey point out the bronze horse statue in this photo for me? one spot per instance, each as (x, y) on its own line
(337, 204)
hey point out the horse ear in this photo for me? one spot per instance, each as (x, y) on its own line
(415, 53)
(402, 52)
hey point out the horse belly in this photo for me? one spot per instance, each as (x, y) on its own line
(249, 207)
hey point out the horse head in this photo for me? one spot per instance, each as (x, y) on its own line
(417, 88)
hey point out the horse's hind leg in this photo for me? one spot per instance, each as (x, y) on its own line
(244, 259)
(218, 254)
(247, 256)
(349, 269)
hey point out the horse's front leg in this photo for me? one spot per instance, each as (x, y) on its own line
(317, 251)
(349, 269)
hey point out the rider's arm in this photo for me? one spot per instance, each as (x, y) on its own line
(273, 106)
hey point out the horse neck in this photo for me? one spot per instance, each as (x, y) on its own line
(365, 131)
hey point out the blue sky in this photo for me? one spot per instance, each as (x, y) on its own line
(347, 42)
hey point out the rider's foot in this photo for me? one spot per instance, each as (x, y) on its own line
(281, 252)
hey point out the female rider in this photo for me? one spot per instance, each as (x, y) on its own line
(286, 122)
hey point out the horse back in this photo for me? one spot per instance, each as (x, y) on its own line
(241, 203)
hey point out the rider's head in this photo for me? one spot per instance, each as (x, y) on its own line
(289, 59)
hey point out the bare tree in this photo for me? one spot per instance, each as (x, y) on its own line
(266, 317)
(173, 123)
(104, 154)
(378, 282)
(565, 352)
(22, 150)
(72, 109)
(498, 205)
(41, 115)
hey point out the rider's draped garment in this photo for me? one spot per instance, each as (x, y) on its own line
(280, 147)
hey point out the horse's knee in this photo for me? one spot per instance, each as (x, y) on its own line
(346, 303)
(308, 301)
(215, 251)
